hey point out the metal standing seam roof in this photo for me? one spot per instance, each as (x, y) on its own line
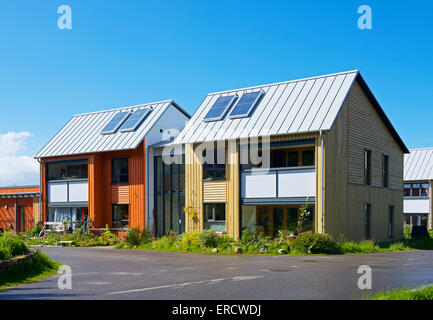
(297, 106)
(418, 165)
(81, 135)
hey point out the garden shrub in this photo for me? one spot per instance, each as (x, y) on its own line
(133, 237)
(11, 246)
(224, 242)
(191, 239)
(146, 236)
(208, 239)
(314, 243)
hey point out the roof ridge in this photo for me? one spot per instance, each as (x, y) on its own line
(288, 81)
(123, 108)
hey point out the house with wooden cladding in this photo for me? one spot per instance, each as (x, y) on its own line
(418, 187)
(19, 208)
(100, 166)
(331, 151)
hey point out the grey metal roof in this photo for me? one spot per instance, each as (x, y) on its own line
(297, 106)
(418, 165)
(81, 134)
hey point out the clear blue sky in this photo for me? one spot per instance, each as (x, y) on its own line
(122, 53)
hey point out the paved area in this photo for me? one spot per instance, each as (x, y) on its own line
(103, 273)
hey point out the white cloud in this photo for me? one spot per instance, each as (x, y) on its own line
(17, 169)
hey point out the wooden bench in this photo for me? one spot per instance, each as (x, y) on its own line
(64, 243)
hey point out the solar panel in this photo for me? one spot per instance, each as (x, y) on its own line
(115, 122)
(246, 104)
(134, 120)
(220, 108)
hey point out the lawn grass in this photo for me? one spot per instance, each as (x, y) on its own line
(419, 293)
(38, 268)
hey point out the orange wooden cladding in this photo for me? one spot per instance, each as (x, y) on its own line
(7, 215)
(102, 194)
(120, 194)
(19, 190)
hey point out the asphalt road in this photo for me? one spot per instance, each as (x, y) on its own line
(103, 273)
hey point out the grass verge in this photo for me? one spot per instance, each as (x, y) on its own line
(38, 268)
(419, 293)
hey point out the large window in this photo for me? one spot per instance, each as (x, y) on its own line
(169, 196)
(282, 158)
(269, 220)
(385, 171)
(217, 169)
(70, 170)
(215, 216)
(119, 171)
(120, 215)
(367, 212)
(416, 190)
(367, 167)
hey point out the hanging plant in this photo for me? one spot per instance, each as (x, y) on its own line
(191, 212)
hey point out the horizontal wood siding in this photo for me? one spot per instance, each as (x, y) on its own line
(120, 194)
(357, 127)
(214, 191)
(367, 130)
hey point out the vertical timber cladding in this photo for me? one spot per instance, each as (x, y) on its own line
(430, 196)
(193, 191)
(102, 193)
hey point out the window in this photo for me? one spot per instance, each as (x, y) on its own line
(292, 159)
(215, 216)
(385, 171)
(119, 171)
(424, 189)
(120, 215)
(391, 221)
(285, 158)
(407, 188)
(367, 167)
(308, 158)
(269, 220)
(415, 190)
(67, 170)
(215, 170)
(367, 209)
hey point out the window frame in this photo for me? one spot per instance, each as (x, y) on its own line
(121, 220)
(391, 221)
(367, 215)
(385, 171)
(113, 182)
(214, 166)
(367, 166)
(213, 220)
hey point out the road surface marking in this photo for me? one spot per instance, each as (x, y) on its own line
(181, 285)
